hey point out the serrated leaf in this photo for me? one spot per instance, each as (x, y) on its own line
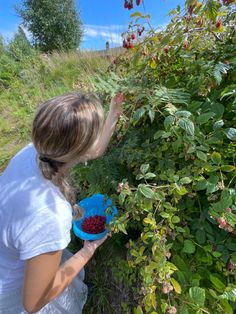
(185, 180)
(149, 175)
(227, 168)
(216, 158)
(144, 168)
(151, 114)
(175, 219)
(219, 285)
(201, 155)
(138, 310)
(187, 125)
(203, 118)
(197, 294)
(121, 227)
(218, 124)
(201, 236)
(201, 185)
(146, 191)
(183, 113)
(229, 295)
(176, 285)
(138, 114)
(168, 121)
(231, 133)
(189, 247)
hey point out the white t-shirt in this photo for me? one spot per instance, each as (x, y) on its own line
(35, 217)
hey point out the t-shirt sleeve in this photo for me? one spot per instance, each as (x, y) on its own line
(46, 230)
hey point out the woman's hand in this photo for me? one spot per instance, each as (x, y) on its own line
(91, 246)
(115, 105)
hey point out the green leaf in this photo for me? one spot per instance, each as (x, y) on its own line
(189, 247)
(175, 219)
(231, 133)
(138, 114)
(146, 191)
(185, 180)
(197, 294)
(219, 285)
(229, 295)
(226, 306)
(187, 125)
(218, 124)
(168, 121)
(149, 175)
(183, 113)
(136, 14)
(138, 310)
(201, 155)
(151, 114)
(201, 185)
(176, 285)
(227, 168)
(203, 118)
(144, 168)
(121, 227)
(216, 158)
(201, 236)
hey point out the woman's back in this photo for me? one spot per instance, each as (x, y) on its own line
(34, 217)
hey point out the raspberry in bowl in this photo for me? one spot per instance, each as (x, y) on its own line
(98, 212)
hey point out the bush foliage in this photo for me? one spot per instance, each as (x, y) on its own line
(171, 168)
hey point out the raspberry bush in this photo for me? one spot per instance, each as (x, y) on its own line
(171, 168)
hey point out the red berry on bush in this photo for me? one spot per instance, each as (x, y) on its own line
(138, 2)
(94, 224)
(131, 45)
(226, 62)
(166, 50)
(218, 24)
(133, 36)
(185, 45)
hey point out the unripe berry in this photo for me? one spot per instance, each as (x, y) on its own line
(222, 222)
(171, 310)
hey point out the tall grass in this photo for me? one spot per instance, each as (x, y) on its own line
(37, 79)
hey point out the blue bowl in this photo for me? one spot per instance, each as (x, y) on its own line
(94, 205)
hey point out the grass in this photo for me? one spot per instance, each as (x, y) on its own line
(39, 79)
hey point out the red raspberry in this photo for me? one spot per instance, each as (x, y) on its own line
(133, 36)
(94, 224)
(185, 45)
(166, 50)
(138, 2)
(218, 24)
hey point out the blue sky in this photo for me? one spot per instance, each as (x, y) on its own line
(103, 20)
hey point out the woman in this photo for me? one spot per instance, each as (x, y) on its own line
(37, 204)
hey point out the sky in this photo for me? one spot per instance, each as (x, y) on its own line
(103, 20)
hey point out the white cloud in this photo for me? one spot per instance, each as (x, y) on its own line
(111, 33)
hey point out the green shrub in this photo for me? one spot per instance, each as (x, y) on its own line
(171, 168)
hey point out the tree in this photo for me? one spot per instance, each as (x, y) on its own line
(55, 25)
(20, 46)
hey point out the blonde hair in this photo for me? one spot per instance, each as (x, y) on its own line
(63, 130)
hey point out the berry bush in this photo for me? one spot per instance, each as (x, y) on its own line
(171, 168)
